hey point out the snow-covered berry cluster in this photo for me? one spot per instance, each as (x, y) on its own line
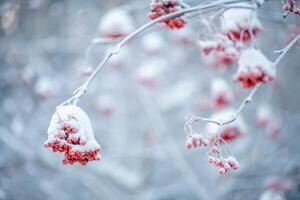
(195, 141)
(70, 132)
(224, 164)
(221, 93)
(253, 71)
(266, 119)
(221, 48)
(290, 7)
(44, 88)
(116, 23)
(240, 24)
(159, 8)
(263, 116)
(278, 184)
(105, 105)
(214, 157)
(148, 74)
(215, 139)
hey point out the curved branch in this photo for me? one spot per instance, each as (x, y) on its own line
(204, 8)
(248, 99)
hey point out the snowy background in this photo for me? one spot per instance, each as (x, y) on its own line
(137, 105)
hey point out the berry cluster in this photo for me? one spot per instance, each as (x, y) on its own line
(237, 25)
(221, 93)
(159, 8)
(221, 48)
(215, 158)
(278, 184)
(253, 71)
(290, 7)
(116, 23)
(70, 133)
(105, 105)
(224, 164)
(230, 133)
(195, 141)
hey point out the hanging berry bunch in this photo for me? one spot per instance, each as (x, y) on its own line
(240, 24)
(70, 132)
(223, 50)
(116, 23)
(215, 156)
(221, 93)
(290, 7)
(253, 71)
(215, 138)
(279, 184)
(266, 119)
(159, 8)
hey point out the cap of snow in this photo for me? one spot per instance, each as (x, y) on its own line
(208, 44)
(105, 104)
(116, 22)
(44, 87)
(250, 59)
(237, 18)
(184, 35)
(150, 70)
(152, 43)
(220, 86)
(264, 112)
(79, 119)
(178, 94)
(271, 195)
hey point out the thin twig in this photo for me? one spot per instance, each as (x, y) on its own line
(248, 99)
(208, 7)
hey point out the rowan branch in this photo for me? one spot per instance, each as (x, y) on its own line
(247, 100)
(202, 8)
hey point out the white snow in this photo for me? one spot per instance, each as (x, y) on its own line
(220, 86)
(251, 58)
(237, 18)
(271, 195)
(116, 21)
(44, 87)
(177, 95)
(150, 70)
(264, 112)
(153, 42)
(105, 101)
(209, 44)
(78, 119)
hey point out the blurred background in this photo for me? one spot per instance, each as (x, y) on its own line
(137, 105)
